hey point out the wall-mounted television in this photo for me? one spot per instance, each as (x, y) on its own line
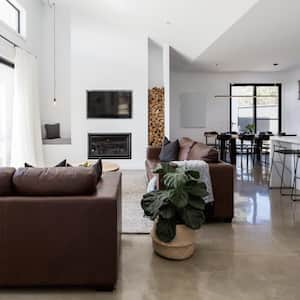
(109, 104)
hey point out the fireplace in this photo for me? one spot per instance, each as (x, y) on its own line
(112, 145)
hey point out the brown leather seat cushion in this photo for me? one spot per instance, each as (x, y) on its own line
(186, 145)
(203, 152)
(55, 181)
(6, 186)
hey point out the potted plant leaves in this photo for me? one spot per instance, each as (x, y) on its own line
(250, 128)
(177, 209)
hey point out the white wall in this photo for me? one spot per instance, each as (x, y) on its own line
(32, 40)
(217, 110)
(60, 112)
(155, 65)
(108, 58)
(39, 41)
(91, 56)
(167, 86)
(291, 102)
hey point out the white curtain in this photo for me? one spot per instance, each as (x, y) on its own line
(26, 143)
(6, 100)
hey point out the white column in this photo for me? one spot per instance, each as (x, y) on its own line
(166, 75)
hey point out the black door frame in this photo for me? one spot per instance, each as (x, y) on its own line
(279, 85)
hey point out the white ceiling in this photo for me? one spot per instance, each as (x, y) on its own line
(194, 24)
(269, 33)
(236, 35)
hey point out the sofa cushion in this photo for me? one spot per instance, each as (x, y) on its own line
(203, 152)
(169, 151)
(52, 131)
(98, 168)
(6, 185)
(55, 181)
(185, 145)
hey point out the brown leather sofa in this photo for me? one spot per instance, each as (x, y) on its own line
(59, 227)
(222, 176)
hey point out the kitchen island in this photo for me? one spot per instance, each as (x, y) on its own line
(283, 142)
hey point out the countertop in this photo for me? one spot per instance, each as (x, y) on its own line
(286, 139)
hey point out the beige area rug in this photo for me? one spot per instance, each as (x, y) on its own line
(133, 221)
(133, 187)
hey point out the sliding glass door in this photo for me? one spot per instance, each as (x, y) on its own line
(6, 100)
(255, 107)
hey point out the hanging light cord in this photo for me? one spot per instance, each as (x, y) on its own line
(54, 53)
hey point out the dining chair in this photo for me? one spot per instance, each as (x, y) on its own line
(247, 147)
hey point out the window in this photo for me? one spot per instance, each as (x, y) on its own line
(10, 14)
(257, 105)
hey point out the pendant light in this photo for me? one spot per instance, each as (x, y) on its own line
(52, 5)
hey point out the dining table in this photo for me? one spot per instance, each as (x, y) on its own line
(232, 139)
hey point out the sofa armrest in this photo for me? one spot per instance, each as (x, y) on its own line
(222, 177)
(153, 152)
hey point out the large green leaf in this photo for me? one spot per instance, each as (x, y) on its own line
(166, 230)
(192, 217)
(167, 211)
(179, 197)
(175, 180)
(193, 174)
(197, 189)
(196, 202)
(152, 202)
(164, 168)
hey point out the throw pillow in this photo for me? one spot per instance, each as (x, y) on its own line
(52, 131)
(169, 151)
(203, 152)
(63, 163)
(98, 169)
(26, 165)
(185, 145)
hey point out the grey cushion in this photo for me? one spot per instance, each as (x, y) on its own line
(98, 169)
(52, 131)
(169, 151)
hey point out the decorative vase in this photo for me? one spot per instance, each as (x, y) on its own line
(182, 247)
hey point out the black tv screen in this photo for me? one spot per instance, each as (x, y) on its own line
(109, 104)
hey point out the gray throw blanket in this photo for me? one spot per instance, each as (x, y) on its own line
(197, 165)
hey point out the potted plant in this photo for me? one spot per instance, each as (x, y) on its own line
(250, 128)
(177, 210)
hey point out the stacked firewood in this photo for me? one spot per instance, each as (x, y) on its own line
(156, 118)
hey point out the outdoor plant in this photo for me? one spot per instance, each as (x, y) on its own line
(250, 128)
(180, 201)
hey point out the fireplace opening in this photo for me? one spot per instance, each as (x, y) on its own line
(113, 145)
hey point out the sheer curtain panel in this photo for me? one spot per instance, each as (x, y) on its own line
(26, 143)
(6, 102)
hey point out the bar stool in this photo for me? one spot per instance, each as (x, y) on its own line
(295, 154)
(295, 196)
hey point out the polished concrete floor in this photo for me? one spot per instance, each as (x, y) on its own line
(256, 257)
